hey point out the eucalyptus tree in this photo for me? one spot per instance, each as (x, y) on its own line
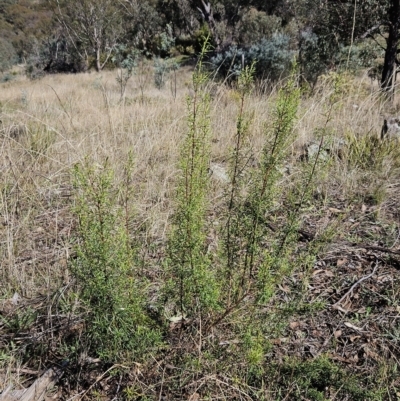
(93, 27)
(338, 22)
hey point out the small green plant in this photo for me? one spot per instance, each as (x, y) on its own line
(7, 77)
(126, 62)
(160, 72)
(162, 68)
(163, 64)
(270, 265)
(234, 229)
(21, 320)
(117, 326)
(193, 280)
(320, 379)
(254, 346)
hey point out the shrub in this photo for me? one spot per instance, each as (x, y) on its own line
(53, 56)
(193, 285)
(162, 68)
(312, 57)
(316, 380)
(362, 55)
(315, 56)
(117, 326)
(7, 77)
(8, 55)
(256, 25)
(273, 58)
(166, 42)
(126, 61)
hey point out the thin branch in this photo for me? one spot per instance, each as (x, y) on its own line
(99, 379)
(373, 38)
(371, 30)
(350, 291)
(377, 248)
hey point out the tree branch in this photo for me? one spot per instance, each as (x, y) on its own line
(371, 30)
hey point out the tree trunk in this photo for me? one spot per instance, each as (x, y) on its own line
(98, 61)
(389, 66)
(209, 18)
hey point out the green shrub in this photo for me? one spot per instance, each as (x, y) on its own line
(256, 25)
(8, 55)
(274, 262)
(319, 379)
(126, 62)
(193, 283)
(273, 56)
(117, 326)
(7, 77)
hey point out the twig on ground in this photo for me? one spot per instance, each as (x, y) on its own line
(336, 305)
(377, 248)
(100, 378)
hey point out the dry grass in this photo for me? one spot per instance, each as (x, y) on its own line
(49, 125)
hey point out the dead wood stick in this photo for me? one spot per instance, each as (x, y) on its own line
(376, 248)
(99, 379)
(21, 370)
(37, 391)
(350, 291)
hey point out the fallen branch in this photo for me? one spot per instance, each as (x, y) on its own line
(37, 391)
(99, 379)
(336, 305)
(378, 248)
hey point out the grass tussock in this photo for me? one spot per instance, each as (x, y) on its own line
(205, 242)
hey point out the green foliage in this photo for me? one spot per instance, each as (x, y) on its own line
(273, 57)
(200, 37)
(163, 66)
(359, 56)
(235, 230)
(117, 326)
(166, 41)
(143, 25)
(19, 321)
(319, 379)
(8, 55)
(256, 25)
(274, 263)
(255, 259)
(313, 57)
(193, 282)
(126, 61)
(254, 347)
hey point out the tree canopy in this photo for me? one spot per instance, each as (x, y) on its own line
(73, 35)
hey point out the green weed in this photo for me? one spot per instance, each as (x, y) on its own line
(104, 266)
